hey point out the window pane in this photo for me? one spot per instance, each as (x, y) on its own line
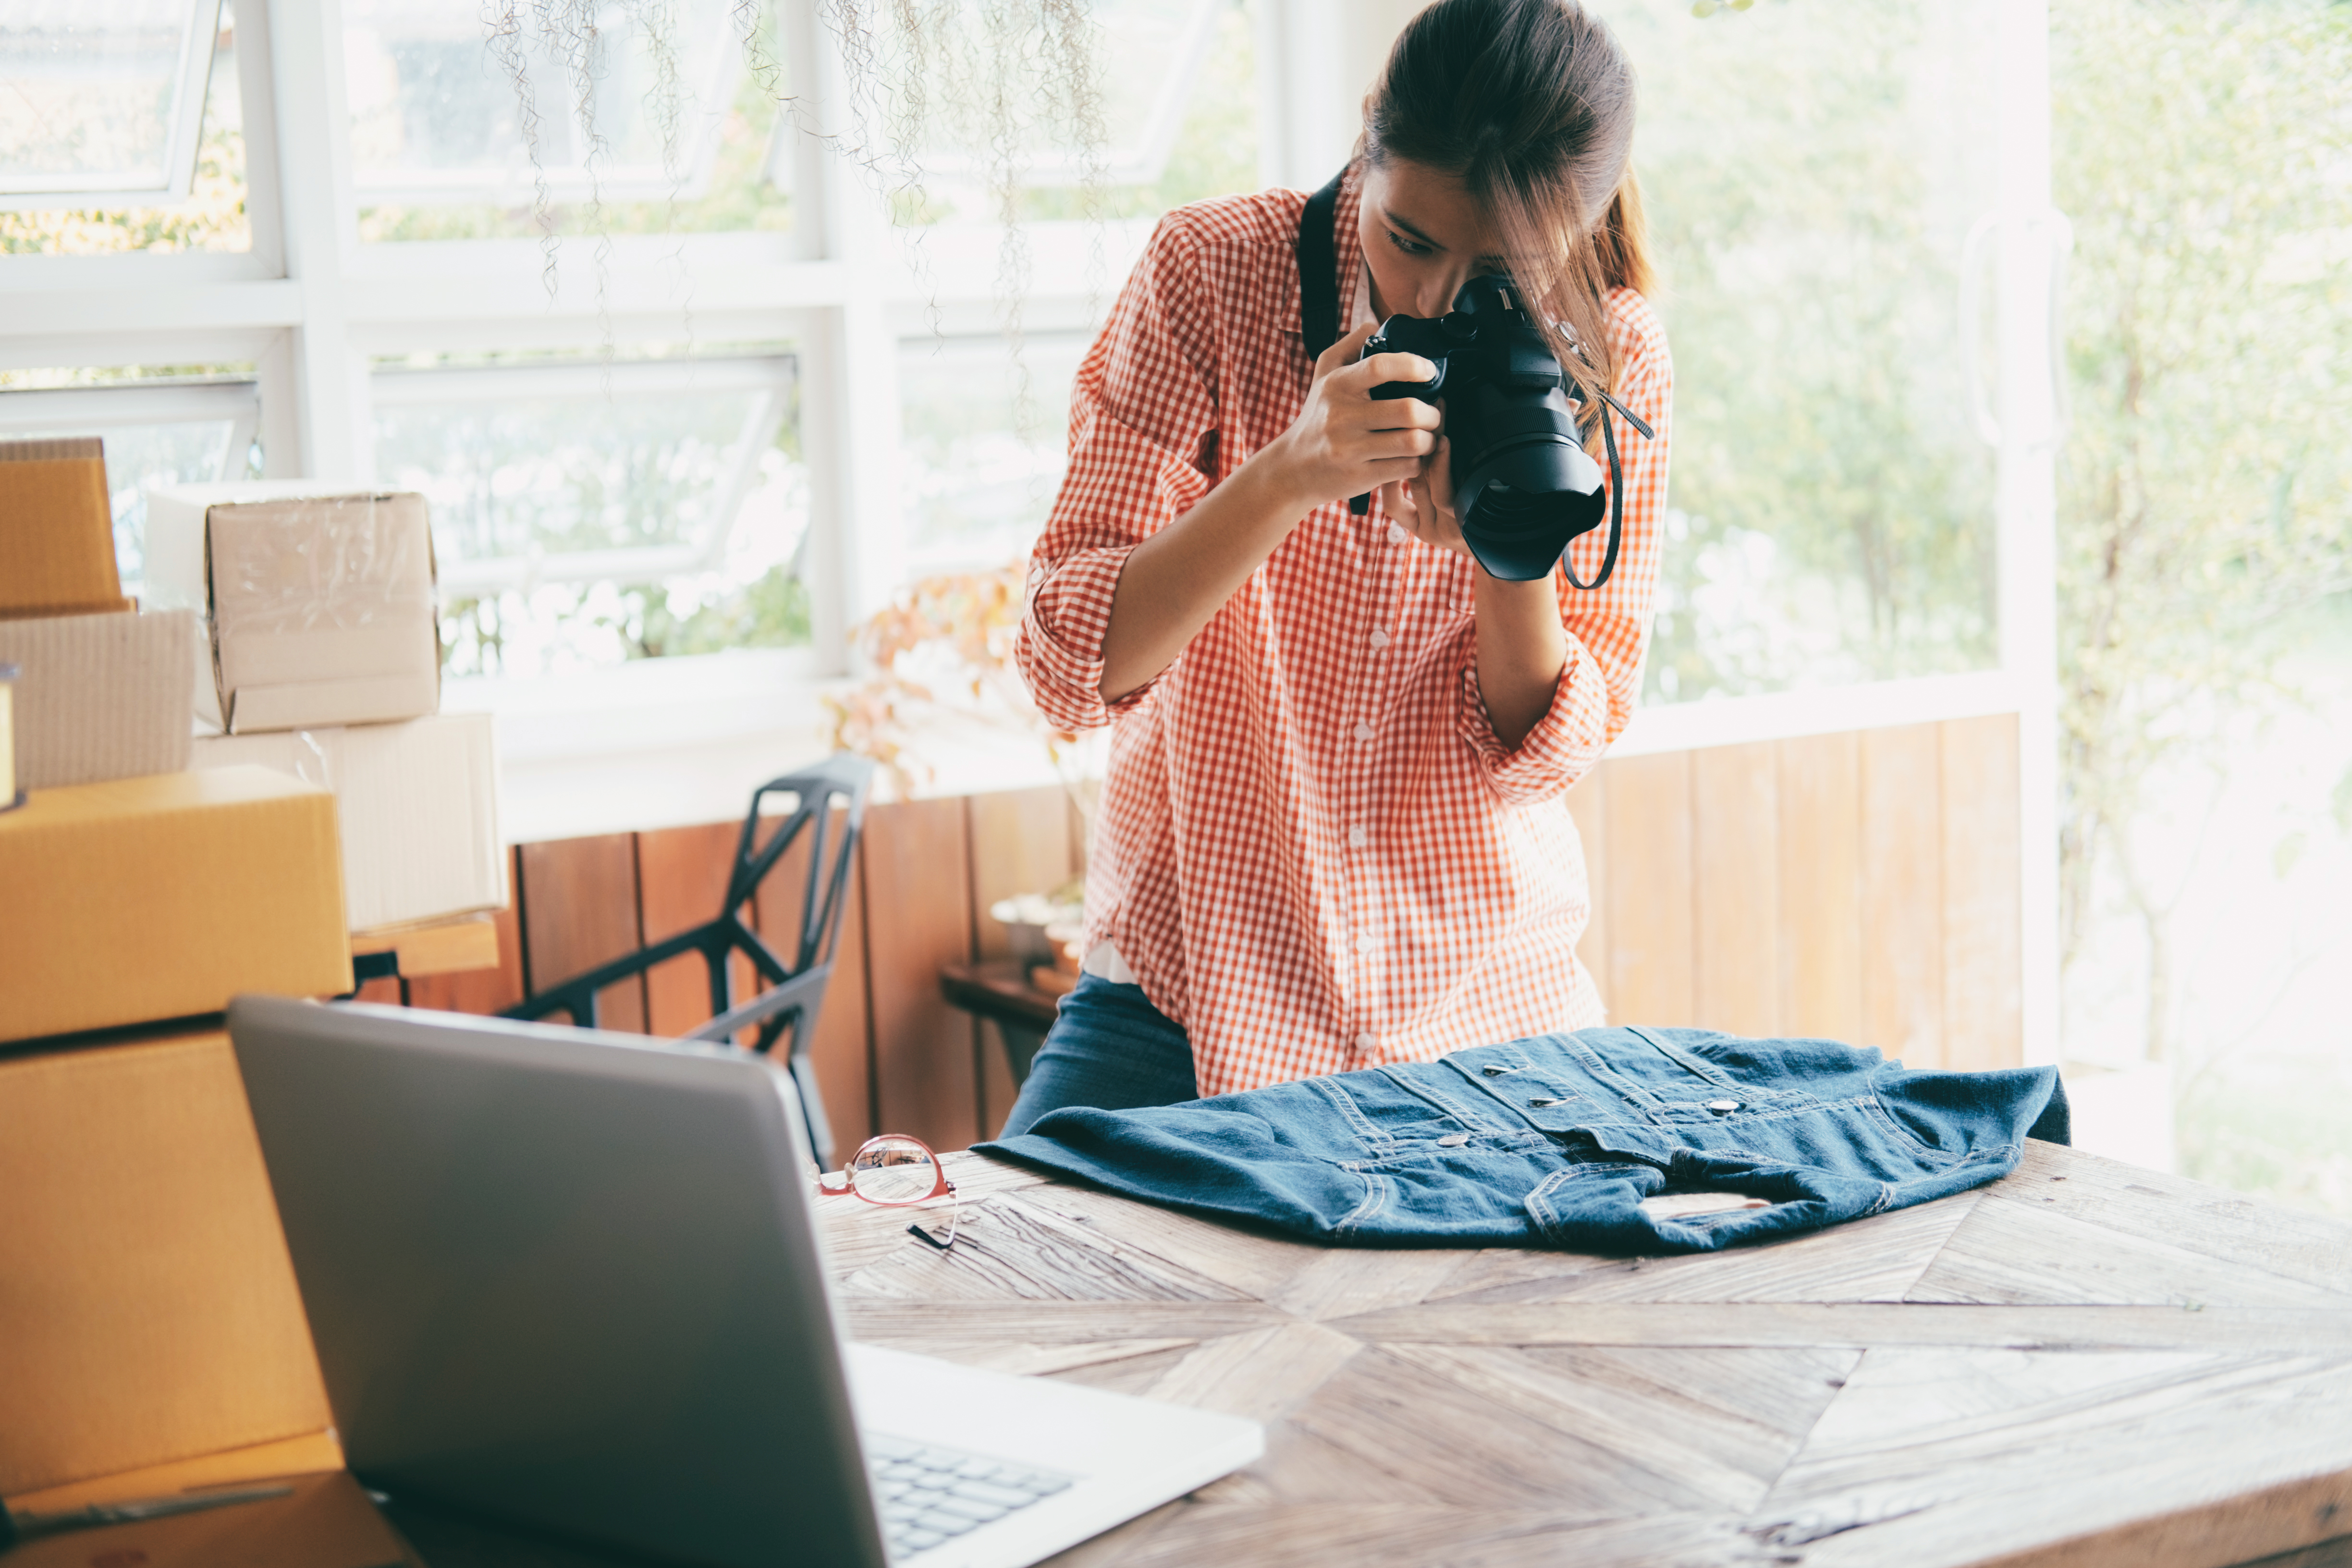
(95, 98)
(682, 124)
(979, 476)
(582, 517)
(1192, 134)
(1812, 173)
(51, 117)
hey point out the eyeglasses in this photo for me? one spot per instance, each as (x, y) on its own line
(896, 1172)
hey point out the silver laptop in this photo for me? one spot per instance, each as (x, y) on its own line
(571, 1281)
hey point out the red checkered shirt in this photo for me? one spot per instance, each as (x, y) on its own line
(1313, 851)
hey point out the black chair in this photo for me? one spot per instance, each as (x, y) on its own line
(795, 990)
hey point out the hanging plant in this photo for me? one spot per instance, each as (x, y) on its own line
(968, 85)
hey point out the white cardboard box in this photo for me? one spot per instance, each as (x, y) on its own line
(418, 805)
(100, 697)
(318, 600)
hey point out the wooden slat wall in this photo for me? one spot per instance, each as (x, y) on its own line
(1858, 886)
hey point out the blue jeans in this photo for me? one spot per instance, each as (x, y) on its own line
(1109, 1049)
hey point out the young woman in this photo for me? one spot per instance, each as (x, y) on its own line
(1336, 832)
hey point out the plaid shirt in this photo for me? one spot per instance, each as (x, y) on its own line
(1314, 853)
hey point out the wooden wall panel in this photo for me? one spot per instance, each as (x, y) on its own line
(919, 886)
(1650, 941)
(1588, 803)
(1984, 1020)
(842, 1045)
(1903, 893)
(1819, 834)
(1736, 892)
(681, 876)
(579, 909)
(1020, 843)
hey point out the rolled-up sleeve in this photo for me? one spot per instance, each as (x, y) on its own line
(1608, 627)
(1144, 400)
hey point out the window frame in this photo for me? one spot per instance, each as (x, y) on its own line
(191, 78)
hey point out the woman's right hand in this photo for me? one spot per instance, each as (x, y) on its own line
(1345, 442)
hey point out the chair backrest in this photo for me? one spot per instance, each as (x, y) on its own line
(794, 985)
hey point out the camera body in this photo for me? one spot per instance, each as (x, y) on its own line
(1524, 485)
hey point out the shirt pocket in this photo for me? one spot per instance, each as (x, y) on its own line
(1383, 1117)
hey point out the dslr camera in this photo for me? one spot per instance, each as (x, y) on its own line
(1524, 485)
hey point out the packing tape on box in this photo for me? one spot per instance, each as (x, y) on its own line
(332, 563)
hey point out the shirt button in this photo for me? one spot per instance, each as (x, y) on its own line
(1722, 1105)
(1363, 941)
(1365, 1042)
(1358, 838)
(1380, 641)
(1363, 731)
(1396, 533)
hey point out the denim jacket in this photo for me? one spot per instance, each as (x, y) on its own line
(1555, 1142)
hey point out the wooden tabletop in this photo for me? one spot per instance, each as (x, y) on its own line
(2086, 1364)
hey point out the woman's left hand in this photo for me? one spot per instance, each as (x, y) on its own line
(1424, 504)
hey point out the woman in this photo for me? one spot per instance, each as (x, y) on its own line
(1336, 832)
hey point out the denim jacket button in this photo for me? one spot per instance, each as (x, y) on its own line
(1721, 1105)
(1454, 1140)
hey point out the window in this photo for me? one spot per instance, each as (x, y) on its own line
(102, 105)
(1813, 176)
(459, 125)
(584, 513)
(121, 134)
(983, 453)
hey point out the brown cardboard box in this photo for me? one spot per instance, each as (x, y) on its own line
(318, 603)
(163, 897)
(100, 697)
(151, 1338)
(57, 530)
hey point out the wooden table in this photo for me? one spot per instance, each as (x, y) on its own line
(2086, 1364)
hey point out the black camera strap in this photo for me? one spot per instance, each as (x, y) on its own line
(1318, 271)
(1616, 508)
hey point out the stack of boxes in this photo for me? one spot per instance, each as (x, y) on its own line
(152, 1337)
(322, 660)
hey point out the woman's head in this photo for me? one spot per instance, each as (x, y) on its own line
(1496, 139)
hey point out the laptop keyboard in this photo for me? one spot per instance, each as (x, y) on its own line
(928, 1495)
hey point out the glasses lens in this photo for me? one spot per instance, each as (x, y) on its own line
(895, 1171)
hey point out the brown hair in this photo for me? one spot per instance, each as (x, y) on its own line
(1529, 103)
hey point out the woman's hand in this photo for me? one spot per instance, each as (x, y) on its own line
(1424, 503)
(1345, 442)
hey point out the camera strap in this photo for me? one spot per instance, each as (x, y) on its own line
(1318, 271)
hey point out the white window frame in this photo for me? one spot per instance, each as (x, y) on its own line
(769, 380)
(191, 80)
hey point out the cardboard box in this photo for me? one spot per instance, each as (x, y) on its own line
(163, 897)
(152, 1336)
(418, 805)
(319, 604)
(56, 529)
(100, 697)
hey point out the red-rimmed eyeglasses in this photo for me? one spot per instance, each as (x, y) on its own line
(896, 1172)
